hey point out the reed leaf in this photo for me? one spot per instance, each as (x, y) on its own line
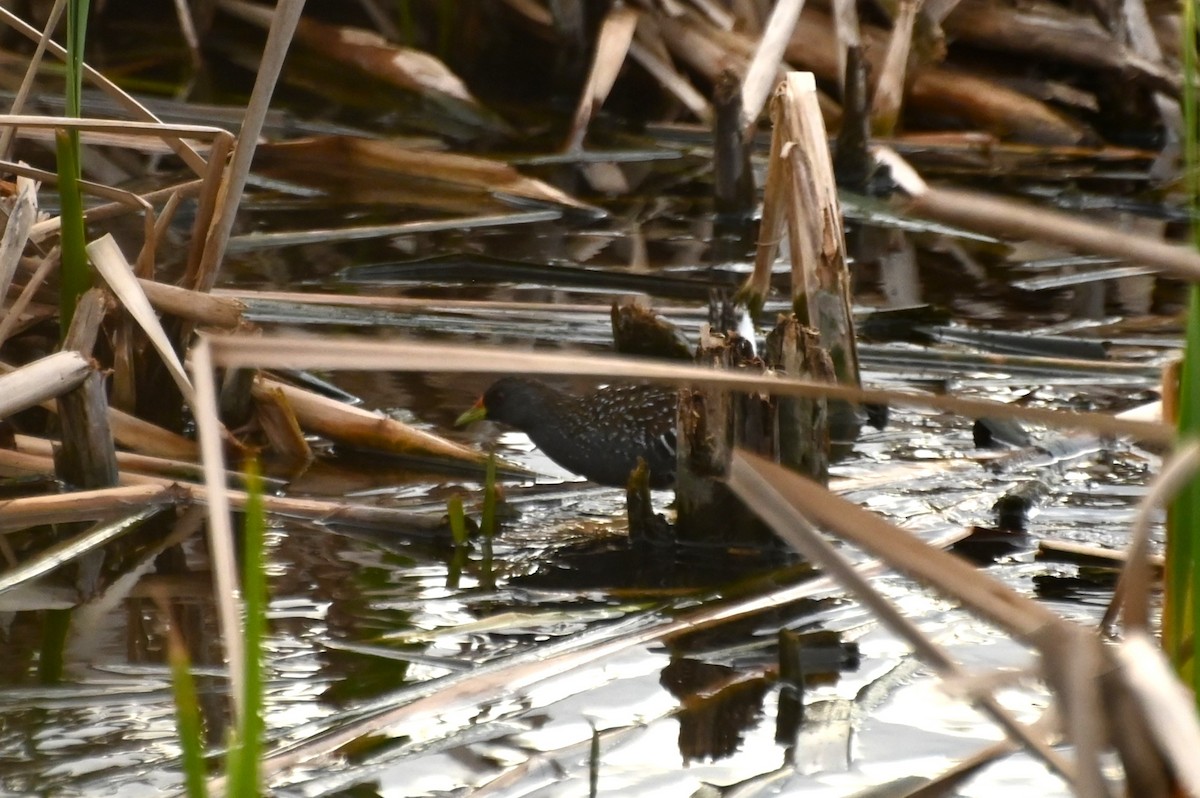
(488, 520)
(246, 752)
(187, 713)
(75, 276)
(458, 521)
(1181, 601)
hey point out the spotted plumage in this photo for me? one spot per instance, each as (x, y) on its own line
(599, 435)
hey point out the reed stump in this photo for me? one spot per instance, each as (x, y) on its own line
(713, 421)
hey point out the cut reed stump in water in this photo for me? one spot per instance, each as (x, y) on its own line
(802, 425)
(638, 331)
(712, 421)
(88, 457)
(800, 197)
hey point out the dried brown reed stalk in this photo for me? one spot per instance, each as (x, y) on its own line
(1010, 219)
(340, 422)
(88, 505)
(297, 351)
(889, 88)
(47, 378)
(762, 74)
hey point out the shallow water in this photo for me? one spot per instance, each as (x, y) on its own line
(363, 621)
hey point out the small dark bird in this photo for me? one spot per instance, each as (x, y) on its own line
(599, 436)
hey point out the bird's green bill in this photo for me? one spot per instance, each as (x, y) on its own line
(477, 412)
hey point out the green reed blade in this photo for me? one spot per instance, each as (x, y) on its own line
(187, 716)
(246, 750)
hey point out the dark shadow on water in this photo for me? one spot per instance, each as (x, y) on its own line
(617, 564)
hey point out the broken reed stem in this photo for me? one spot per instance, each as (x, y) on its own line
(224, 313)
(611, 48)
(41, 380)
(283, 25)
(889, 90)
(128, 430)
(764, 66)
(817, 240)
(85, 505)
(343, 423)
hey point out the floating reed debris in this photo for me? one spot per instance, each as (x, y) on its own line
(363, 429)
(333, 512)
(85, 505)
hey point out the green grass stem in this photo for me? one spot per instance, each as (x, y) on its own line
(76, 278)
(1181, 602)
(488, 520)
(187, 715)
(245, 752)
(458, 521)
